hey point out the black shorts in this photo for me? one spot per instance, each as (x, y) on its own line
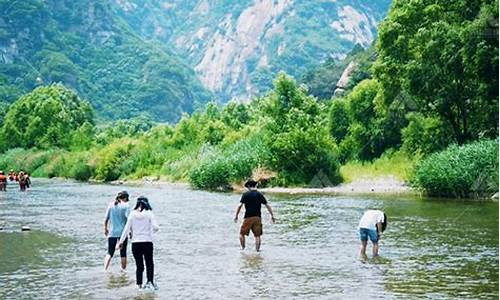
(112, 246)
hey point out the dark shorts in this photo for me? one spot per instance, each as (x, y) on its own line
(112, 241)
(365, 233)
(251, 223)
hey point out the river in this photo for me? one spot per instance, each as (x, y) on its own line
(431, 249)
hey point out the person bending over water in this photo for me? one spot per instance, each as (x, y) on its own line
(116, 215)
(252, 199)
(141, 223)
(371, 225)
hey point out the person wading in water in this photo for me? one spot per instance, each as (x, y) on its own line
(116, 215)
(252, 199)
(27, 179)
(3, 182)
(22, 181)
(12, 175)
(142, 223)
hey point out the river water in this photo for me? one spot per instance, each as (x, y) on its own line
(431, 249)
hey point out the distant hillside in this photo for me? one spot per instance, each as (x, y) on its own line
(85, 45)
(237, 47)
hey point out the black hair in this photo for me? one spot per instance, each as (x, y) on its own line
(384, 224)
(121, 195)
(143, 204)
(251, 183)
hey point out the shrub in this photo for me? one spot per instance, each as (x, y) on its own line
(469, 170)
(111, 158)
(219, 168)
(79, 166)
(299, 156)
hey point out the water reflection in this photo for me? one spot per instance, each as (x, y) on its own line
(431, 249)
(252, 262)
(118, 280)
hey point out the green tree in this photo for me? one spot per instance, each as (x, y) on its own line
(425, 135)
(297, 136)
(44, 118)
(339, 120)
(445, 56)
(235, 115)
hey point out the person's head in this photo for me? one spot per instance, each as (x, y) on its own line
(384, 224)
(142, 204)
(251, 184)
(123, 196)
(1, 172)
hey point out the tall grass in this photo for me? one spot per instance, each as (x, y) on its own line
(466, 171)
(218, 168)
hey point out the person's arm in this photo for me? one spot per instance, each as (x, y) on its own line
(106, 230)
(238, 209)
(270, 210)
(154, 224)
(379, 230)
(126, 231)
(380, 220)
(106, 222)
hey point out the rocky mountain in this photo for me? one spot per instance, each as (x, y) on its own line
(87, 46)
(237, 47)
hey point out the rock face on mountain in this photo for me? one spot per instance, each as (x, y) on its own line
(344, 79)
(237, 47)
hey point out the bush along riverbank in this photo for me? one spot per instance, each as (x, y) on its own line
(464, 172)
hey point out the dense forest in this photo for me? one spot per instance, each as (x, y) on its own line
(423, 98)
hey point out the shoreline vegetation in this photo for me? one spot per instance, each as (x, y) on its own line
(421, 106)
(387, 185)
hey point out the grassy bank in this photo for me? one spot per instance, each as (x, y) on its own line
(397, 164)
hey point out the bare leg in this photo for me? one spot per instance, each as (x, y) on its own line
(362, 251)
(242, 241)
(107, 260)
(257, 243)
(124, 263)
(375, 249)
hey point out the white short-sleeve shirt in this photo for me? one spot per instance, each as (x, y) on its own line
(370, 218)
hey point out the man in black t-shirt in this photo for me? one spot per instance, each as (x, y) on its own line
(252, 199)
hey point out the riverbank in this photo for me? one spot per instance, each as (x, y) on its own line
(385, 185)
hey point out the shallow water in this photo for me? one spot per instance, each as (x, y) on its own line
(431, 249)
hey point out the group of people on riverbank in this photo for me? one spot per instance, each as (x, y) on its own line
(22, 178)
(121, 225)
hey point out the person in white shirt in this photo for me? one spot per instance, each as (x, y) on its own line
(141, 224)
(371, 225)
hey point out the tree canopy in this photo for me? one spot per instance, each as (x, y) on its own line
(46, 117)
